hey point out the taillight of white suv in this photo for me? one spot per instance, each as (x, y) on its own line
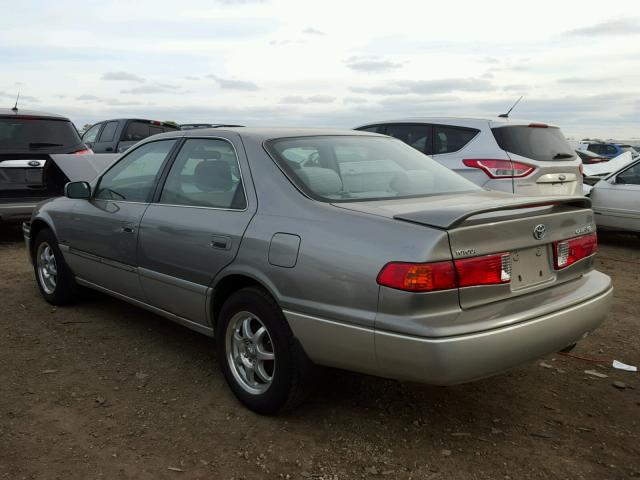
(500, 168)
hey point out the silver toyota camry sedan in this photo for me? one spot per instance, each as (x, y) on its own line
(294, 248)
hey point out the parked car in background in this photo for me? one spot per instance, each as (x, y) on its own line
(588, 157)
(192, 126)
(27, 139)
(616, 199)
(497, 153)
(295, 247)
(608, 150)
(116, 136)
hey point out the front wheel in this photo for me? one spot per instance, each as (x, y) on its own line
(55, 280)
(262, 362)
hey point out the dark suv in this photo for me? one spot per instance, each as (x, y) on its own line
(116, 136)
(26, 140)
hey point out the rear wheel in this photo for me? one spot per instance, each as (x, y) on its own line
(55, 280)
(262, 362)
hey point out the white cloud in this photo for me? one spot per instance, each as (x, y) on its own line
(123, 76)
(372, 62)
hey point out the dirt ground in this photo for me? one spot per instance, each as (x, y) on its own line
(106, 390)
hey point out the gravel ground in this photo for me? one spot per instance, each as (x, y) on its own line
(106, 390)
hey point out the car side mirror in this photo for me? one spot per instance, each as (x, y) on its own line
(80, 190)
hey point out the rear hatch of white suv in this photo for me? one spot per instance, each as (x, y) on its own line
(543, 161)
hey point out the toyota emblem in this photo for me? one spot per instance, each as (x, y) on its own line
(539, 232)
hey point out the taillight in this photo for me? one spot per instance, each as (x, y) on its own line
(84, 151)
(486, 270)
(418, 277)
(428, 277)
(568, 252)
(500, 168)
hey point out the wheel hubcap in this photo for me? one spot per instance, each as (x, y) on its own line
(250, 352)
(47, 268)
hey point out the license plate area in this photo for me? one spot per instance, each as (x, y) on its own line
(529, 267)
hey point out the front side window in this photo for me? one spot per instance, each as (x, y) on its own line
(357, 168)
(451, 139)
(91, 134)
(630, 176)
(418, 136)
(205, 174)
(132, 179)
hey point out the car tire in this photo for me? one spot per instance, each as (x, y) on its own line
(55, 279)
(263, 363)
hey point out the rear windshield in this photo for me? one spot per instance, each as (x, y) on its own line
(24, 134)
(544, 144)
(357, 168)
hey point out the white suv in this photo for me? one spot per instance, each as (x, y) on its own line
(516, 156)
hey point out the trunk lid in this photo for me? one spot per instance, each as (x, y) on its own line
(486, 223)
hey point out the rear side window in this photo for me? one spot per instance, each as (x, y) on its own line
(451, 139)
(373, 129)
(205, 174)
(417, 136)
(32, 134)
(108, 132)
(543, 144)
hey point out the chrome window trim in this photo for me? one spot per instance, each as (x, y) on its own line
(242, 182)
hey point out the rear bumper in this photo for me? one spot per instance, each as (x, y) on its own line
(16, 212)
(463, 358)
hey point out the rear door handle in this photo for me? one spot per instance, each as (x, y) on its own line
(128, 228)
(220, 242)
(108, 149)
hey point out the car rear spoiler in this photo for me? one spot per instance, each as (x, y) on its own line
(452, 216)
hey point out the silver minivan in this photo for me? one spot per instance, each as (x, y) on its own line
(518, 156)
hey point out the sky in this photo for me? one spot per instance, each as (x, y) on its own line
(337, 63)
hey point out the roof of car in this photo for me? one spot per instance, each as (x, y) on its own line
(266, 133)
(459, 120)
(9, 112)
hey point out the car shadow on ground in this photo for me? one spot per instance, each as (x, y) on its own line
(10, 233)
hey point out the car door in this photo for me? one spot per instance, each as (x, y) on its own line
(616, 201)
(195, 226)
(105, 143)
(103, 232)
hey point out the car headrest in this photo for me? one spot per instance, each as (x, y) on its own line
(412, 182)
(213, 175)
(322, 181)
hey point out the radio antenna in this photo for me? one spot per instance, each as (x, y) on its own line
(506, 115)
(15, 107)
